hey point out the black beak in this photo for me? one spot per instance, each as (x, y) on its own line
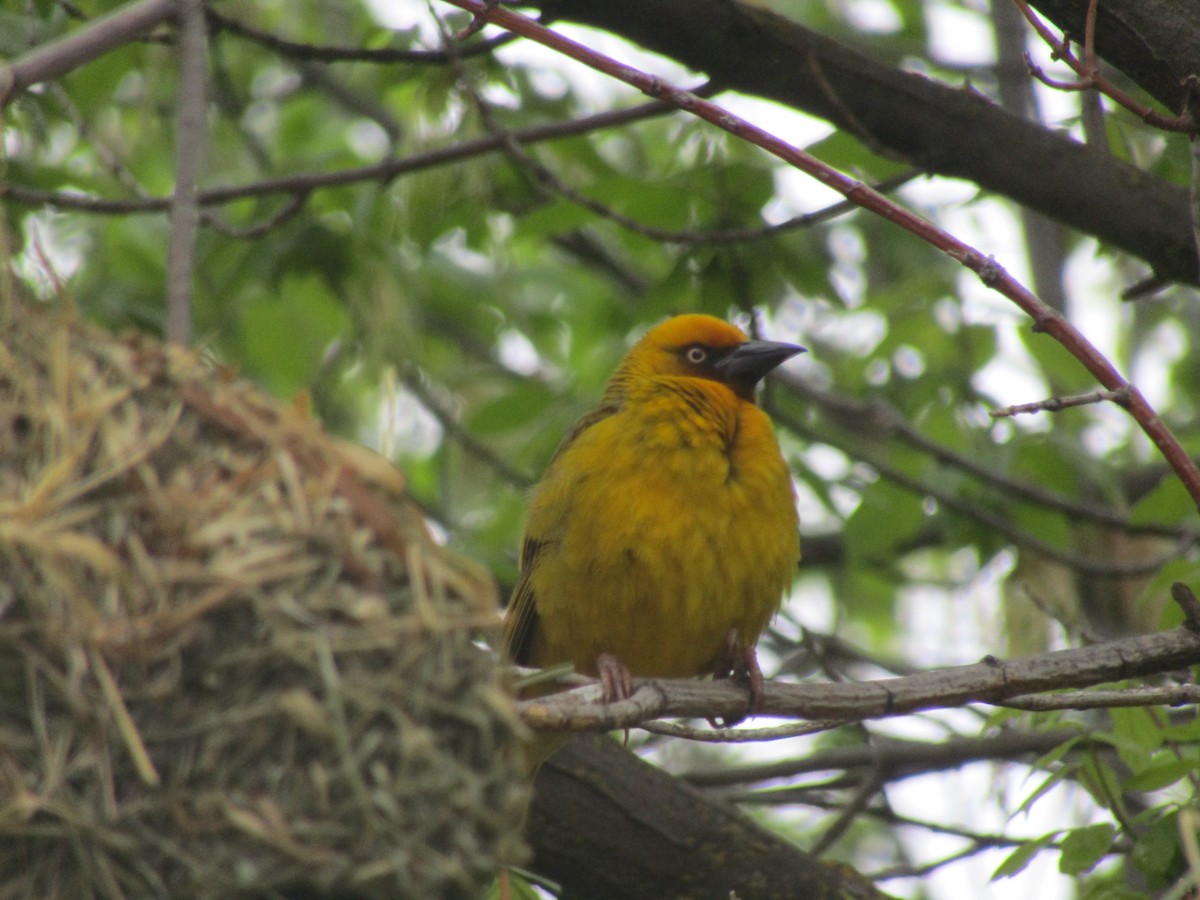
(747, 364)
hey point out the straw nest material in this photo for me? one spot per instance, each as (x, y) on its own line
(232, 660)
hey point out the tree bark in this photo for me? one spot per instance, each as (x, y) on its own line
(607, 826)
(948, 131)
(1155, 42)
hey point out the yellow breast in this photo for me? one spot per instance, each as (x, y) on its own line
(666, 524)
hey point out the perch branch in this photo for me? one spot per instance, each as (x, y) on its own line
(991, 681)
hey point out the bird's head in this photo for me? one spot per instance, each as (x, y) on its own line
(699, 346)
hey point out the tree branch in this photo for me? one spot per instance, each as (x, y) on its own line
(71, 52)
(943, 129)
(992, 681)
(191, 131)
(606, 824)
(304, 183)
(876, 418)
(1154, 42)
(892, 757)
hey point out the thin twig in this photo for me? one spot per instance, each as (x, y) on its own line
(548, 183)
(1090, 75)
(191, 131)
(952, 500)
(327, 54)
(852, 810)
(1183, 596)
(517, 478)
(741, 735)
(924, 869)
(1054, 404)
(893, 757)
(1167, 695)
(883, 419)
(305, 183)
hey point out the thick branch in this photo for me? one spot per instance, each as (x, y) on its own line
(605, 824)
(990, 681)
(1154, 42)
(908, 116)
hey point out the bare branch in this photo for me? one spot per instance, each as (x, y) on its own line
(1054, 404)
(327, 54)
(893, 757)
(412, 380)
(71, 52)
(741, 735)
(1183, 595)
(303, 184)
(1090, 75)
(997, 522)
(877, 418)
(991, 681)
(1167, 695)
(191, 132)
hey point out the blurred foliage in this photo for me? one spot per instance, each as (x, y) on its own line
(460, 316)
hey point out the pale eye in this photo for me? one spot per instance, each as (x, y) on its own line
(696, 355)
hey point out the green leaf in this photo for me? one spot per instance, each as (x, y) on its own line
(1082, 848)
(1139, 731)
(1100, 780)
(1016, 861)
(1156, 852)
(285, 335)
(1047, 783)
(887, 517)
(1165, 769)
(1049, 759)
(1167, 504)
(1183, 732)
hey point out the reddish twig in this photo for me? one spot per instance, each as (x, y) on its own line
(1054, 404)
(1089, 72)
(990, 272)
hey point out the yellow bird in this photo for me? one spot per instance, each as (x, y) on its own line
(664, 533)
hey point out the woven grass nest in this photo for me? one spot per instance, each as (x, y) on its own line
(232, 660)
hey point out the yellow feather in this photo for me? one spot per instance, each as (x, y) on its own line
(666, 517)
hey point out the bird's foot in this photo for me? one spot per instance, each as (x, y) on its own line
(616, 681)
(736, 661)
(753, 673)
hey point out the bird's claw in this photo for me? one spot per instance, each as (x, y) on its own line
(736, 661)
(616, 681)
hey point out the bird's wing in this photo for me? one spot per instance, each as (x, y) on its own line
(521, 621)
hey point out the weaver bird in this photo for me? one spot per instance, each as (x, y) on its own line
(664, 533)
